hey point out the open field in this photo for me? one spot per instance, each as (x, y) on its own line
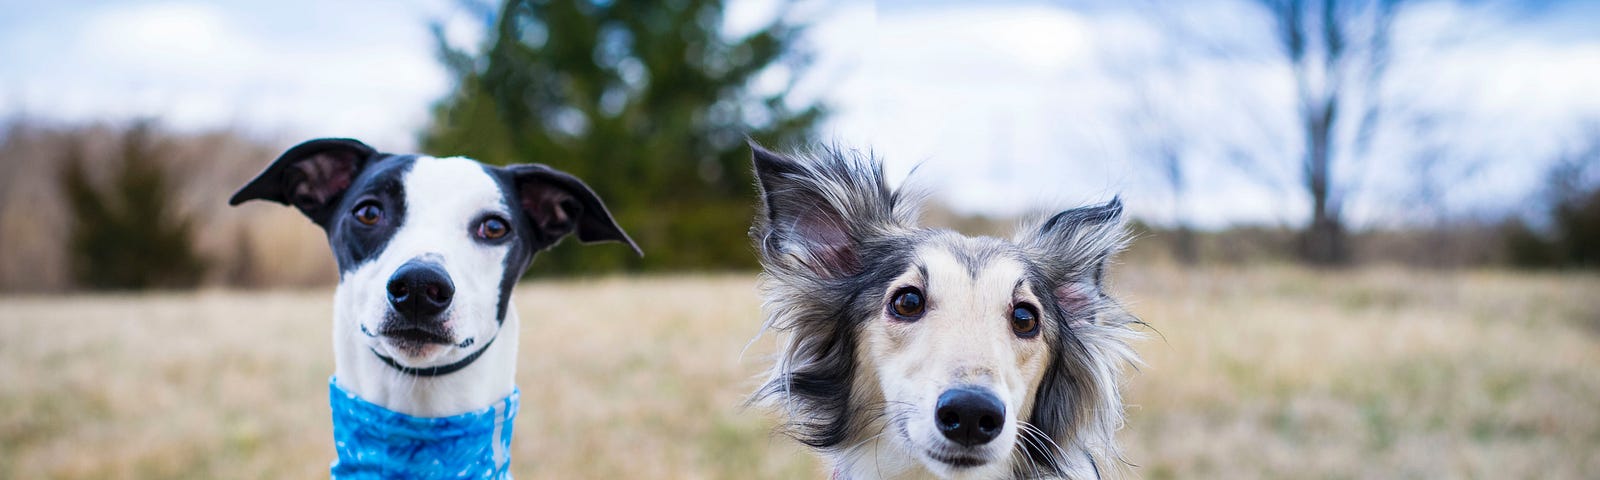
(1257, 373)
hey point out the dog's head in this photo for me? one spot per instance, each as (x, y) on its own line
(975, 357)
(428, 248)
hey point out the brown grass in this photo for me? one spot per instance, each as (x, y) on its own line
(1263, 373)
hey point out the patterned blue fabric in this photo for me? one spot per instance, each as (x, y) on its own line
(374, 442)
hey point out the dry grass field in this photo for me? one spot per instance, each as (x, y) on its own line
(1257, 373)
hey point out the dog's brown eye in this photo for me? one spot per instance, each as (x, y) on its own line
(1024, 321)
(907, 303)
(368, 213)
(492, 228)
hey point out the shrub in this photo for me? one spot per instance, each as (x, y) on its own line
(1573, 236)
(125, 231)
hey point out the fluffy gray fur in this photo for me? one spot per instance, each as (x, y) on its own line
(832, 233)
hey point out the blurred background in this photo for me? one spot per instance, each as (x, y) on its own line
(1367, 229)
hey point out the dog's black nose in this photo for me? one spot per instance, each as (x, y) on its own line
(420, 289)
(970, 415)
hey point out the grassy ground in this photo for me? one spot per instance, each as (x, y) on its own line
(1262, 373)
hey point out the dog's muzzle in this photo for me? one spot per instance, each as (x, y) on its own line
(420, 290)
(970, 416)
(376, 443)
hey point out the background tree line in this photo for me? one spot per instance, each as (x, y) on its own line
(651, 103)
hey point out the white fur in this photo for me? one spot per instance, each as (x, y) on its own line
(443, 196)
(963, 338)
(869, 408)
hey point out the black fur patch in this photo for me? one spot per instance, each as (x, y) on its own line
(524, 247)
(823, 388)
(383, 181)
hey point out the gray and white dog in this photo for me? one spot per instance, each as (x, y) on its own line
(428, 251)
(910, 352)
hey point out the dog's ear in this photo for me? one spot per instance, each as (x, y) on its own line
(1073, 247)
(1078, 405)
(816, 214)
(557, 204)
(311, 176)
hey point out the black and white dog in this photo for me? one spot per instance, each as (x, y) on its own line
(424, 331)
(919, 353)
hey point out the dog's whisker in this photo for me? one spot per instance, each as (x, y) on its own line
(1027, 442)
(1049, 451)
(1047, 445)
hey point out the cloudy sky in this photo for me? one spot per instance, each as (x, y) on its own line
(1002, 107)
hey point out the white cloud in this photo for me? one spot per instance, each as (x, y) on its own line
(1008, 107)
(165, 36)
(1000, 108)
(199, 65)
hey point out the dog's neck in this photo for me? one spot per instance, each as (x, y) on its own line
(375, 442)
(486, 381)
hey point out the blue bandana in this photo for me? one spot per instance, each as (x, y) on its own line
(374, 442)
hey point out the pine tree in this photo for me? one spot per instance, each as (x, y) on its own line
(128, 233)
(647, 101)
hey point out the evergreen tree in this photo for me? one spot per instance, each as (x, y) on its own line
(647, 101)
(128, 233)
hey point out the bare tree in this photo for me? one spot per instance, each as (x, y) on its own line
(1161, 141)
(1338, 53)
(1343, 95)
(1154, 119)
